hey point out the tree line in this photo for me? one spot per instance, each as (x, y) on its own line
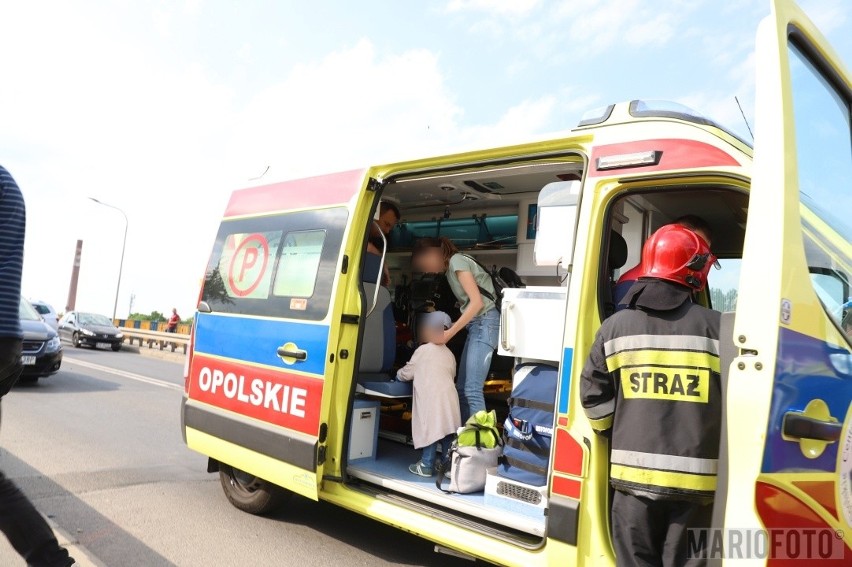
(155, 316)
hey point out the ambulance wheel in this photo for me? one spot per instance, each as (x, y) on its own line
(249, 493)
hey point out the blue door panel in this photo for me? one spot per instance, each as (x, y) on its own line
(807, 369)
(257, 340)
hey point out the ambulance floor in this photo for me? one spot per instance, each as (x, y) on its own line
(390, 471)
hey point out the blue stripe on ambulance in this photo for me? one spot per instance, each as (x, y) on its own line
(805, 371)
(565, 382)
(257, 340)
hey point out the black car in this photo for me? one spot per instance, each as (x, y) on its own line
(90, 329)
(42, 351)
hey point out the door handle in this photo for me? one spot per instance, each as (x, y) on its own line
(800, 426)
(291, 354)
(505, 335)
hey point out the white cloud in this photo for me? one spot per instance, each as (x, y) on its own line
(720, 104)
(596, 26)
(344, 111)
(113, 105)
(399, 107)
(524, 120)
(828, 15)
(491, 26)
(166, 141)
(657, 30)
(511, 8)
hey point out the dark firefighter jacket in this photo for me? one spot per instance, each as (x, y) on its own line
(652, 377)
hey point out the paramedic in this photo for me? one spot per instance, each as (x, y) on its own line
(694, 223)
(652, 381)
(23, 526)
(388, 217)
(473, 288)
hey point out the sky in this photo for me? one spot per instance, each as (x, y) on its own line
(163, 108)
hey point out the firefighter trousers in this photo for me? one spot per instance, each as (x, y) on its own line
(654, 533)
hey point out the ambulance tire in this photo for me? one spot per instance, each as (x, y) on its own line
(249, 493)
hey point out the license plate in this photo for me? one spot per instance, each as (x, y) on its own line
(104, 345)
(28, 360)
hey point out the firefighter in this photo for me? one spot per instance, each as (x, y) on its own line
(652, 382)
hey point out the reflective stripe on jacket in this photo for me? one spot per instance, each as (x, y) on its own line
(653, 378)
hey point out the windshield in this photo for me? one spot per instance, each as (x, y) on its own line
(669, 109)
(26, 311)
(43, 309)
(94, 319)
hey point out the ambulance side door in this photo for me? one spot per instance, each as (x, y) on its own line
(789, 400)
(261, 374)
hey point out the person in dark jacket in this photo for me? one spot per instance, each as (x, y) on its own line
(24, 527)
(694, 223)
(652, 382)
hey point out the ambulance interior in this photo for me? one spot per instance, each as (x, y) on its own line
(491, 215)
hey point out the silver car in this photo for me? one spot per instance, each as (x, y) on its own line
(47, 312)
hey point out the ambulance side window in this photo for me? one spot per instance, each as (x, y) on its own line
(277, 266)
(722, 285)
(824, 159)
(298, 264)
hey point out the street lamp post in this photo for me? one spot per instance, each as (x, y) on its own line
(123, 246)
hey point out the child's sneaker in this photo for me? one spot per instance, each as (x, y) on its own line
(420, 470)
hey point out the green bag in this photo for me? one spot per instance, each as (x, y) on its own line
(480, 431)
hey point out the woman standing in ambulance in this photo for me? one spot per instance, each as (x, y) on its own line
(468, 281)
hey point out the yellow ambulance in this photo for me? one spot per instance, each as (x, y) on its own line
(296, 339)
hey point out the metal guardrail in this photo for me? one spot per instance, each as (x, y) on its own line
(156, 338)
(161, 326)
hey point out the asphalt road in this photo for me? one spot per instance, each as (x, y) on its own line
(98, 448)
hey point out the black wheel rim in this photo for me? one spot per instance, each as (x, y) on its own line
(243, 482)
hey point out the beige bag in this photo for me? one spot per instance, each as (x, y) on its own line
(469, 468)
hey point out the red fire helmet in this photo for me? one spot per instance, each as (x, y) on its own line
(676, 254)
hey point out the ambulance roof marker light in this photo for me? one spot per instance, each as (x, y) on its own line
(635, 159)
(596, 116)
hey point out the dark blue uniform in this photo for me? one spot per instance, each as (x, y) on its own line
(652, 379)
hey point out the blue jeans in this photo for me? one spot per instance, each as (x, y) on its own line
(481, 341)
(430, 451)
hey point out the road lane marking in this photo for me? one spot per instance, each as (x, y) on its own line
(124, 374)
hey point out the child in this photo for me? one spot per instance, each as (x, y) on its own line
(435, 415)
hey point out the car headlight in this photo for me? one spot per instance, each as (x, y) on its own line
(54, 344)
(119, 336)
(87, 332)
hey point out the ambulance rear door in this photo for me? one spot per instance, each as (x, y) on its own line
(790, 387)
(261, 373)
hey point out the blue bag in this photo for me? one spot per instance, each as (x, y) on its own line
(529, 428)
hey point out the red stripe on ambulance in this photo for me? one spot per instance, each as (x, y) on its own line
(313, 192)
(569, 487)
(279, 398)
(675, 154)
